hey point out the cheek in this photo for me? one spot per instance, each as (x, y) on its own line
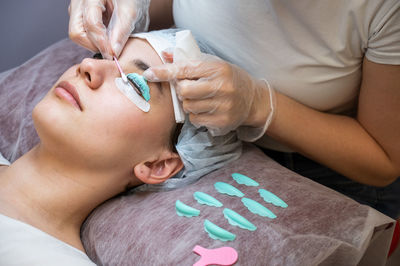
(119, 125)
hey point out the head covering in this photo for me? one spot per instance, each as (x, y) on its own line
(200, 152)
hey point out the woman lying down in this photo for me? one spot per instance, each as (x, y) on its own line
(94, 144)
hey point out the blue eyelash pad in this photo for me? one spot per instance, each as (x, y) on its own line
(257, 208)
(237, 220)
(185, 210)
(141, 83)
(216, 232)
(244, 180)
(270, 197)
(225, 188)
(206, 199)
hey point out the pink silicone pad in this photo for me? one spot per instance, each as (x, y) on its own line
(219, 256)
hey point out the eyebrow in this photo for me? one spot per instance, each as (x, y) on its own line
(144, 66)
(140, 64)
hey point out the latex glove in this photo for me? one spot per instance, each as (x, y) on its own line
(105, 25)
(219, 95)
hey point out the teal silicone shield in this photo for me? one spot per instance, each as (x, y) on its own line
(236, 219)
(185, 210)
(257, 208)
(141, 84)
(206, 199)
(244, 180)
(216, 232)
(226, 188)
(272, 198)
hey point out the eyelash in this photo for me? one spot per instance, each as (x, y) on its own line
(97, 56)
(135, 87)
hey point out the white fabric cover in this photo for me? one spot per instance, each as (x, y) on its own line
(25, 245)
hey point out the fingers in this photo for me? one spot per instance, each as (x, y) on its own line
(194, 69)
(196, 89)
(199, 107)
(94, 27)
(121, 25)
(76, 28)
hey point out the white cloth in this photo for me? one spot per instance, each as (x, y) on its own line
(3, 161)
(22, 244)
(310, 50)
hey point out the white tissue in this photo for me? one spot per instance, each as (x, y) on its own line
(186, 48)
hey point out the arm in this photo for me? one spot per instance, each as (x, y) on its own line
(365, 149)
(161, 14)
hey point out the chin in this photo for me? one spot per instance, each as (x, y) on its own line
(50, 126)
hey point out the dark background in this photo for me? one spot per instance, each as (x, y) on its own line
(29, 26)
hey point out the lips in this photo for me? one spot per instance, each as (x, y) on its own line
(67, 91)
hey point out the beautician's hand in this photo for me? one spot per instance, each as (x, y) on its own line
(219, 95)
(105, 25)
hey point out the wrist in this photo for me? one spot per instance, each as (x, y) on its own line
(261, 107)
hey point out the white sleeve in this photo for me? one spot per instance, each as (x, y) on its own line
(3, 161)
(384, 36)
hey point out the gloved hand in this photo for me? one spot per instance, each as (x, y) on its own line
(105, 25)
(219, 95)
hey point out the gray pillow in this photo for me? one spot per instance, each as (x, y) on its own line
(319, 226)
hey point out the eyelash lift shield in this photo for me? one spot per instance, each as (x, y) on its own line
(126, 88)
(132, 95)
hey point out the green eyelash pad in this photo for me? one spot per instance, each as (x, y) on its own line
(141, 84)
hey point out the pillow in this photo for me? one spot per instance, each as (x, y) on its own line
(319, 226)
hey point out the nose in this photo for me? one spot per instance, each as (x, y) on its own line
(95, 71)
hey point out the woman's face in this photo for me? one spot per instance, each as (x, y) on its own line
(105, 129)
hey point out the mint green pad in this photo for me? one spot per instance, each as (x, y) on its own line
(226, 188)
(236, 219)
(206, 199)
(272, 198)
(141, 83)
(185, 210)
(216, 232)
(257, 208)
(244, 180)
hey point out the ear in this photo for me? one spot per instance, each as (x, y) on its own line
(160, 169)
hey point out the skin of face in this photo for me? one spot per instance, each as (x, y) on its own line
(109, 133)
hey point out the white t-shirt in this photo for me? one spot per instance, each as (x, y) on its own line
(310, 50)
(24, 245)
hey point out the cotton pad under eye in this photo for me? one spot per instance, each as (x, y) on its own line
(132, 95)
(140, 83)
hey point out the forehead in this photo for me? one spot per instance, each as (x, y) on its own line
(140, 49)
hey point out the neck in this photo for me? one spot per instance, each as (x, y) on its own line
(53, 196)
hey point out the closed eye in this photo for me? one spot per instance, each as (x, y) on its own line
(97, 56)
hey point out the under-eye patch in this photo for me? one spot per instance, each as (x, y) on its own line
(140, 83)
